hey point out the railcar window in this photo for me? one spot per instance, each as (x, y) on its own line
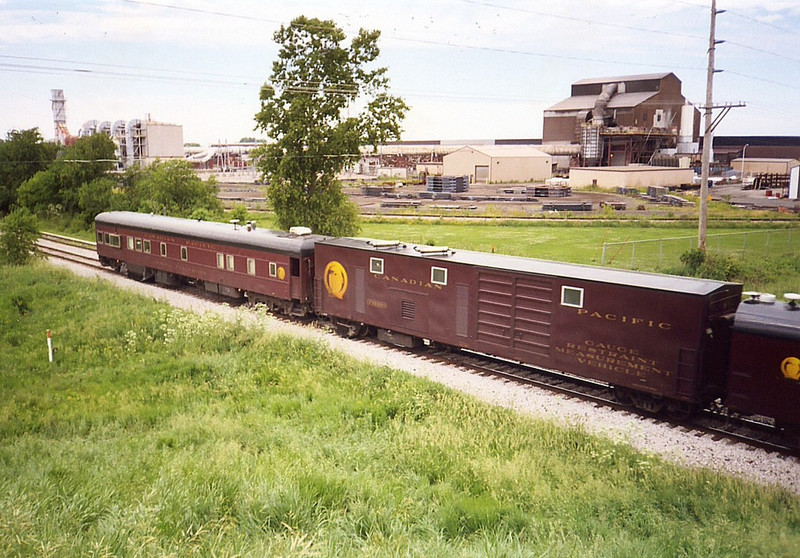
(130, 243)
(273, 269)
(376, 266)
(229, 261)
(113, 240)
(572, 296)
(251, 266)
(99, 237)
(184, 253)
(439, 276)
(138, 244)
(164, 249)
(220, 260)
(146, 246)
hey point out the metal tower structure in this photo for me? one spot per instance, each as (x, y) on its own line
(58, 104)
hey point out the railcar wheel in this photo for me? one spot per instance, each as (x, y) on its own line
(648, 403)
(347, 329)
(680, 410)
(790, 434)
(623, 396)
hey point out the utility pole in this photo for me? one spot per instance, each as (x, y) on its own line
(707, 135)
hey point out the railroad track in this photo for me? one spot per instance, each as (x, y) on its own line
(69, 249)
(715, 422)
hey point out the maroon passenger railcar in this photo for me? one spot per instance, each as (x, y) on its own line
(656, 338)
(764, 375)
(235, 260)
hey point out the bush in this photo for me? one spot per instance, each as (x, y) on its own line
(18, 236)
(698, 263)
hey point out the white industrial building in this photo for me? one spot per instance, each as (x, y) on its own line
(499, 163)
(139, 142)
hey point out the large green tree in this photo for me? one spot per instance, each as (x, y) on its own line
(22, 155)
(58, 187)
(325, 99)
(168, 188)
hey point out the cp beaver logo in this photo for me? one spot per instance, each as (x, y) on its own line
(791, 368)
(335, 279)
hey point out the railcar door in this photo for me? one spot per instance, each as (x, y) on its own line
(514, 312)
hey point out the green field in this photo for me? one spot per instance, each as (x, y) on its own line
(160, 433)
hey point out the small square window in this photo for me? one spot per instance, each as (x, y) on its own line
(273, 269)
(113, 240)
(376, 266)
(229, 261)
(138, 244)
(220, 260)
(572, 296)
(439, 276)
(146, 246)
(164, 249)
(99, 238)
(251, 266)
(184, 253)
(130, 243)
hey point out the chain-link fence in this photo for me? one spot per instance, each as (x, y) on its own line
(658, 253)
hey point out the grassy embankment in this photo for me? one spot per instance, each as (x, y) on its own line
(156, 432)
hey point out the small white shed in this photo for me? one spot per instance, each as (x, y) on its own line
(499, 163)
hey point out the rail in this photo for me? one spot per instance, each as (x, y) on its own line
(70, 241)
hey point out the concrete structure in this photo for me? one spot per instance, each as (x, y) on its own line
(632, 176)
(163, 141)
(622, 120)
(139, 142)
(750, 166)
(499, 163)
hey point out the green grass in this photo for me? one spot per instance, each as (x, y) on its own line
(160, 433)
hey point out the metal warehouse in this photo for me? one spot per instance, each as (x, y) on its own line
(499, 163)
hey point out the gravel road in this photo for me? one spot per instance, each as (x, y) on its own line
(647, 435)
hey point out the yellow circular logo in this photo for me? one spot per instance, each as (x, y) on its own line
(335, 279)
(281, 273)
(791, 368)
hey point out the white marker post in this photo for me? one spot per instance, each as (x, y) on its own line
(49, 346)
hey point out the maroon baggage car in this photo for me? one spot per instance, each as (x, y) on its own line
(660, 340)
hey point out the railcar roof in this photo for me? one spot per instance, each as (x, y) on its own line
(776, 320)
(223, 233)
(669, 283)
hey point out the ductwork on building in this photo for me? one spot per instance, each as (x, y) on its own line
(88, 128)
(132, 138)
(600, 105)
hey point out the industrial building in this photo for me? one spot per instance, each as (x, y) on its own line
(619, 121)
(139, 142)
(499, 163)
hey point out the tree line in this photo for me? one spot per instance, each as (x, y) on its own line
(325, 99)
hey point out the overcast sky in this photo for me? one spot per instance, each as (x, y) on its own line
(469, 69)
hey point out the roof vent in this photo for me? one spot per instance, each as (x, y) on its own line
(384, 244)
(792, 299)
(767, 298)
(300, 231)
(433, 250)
(752, 296)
